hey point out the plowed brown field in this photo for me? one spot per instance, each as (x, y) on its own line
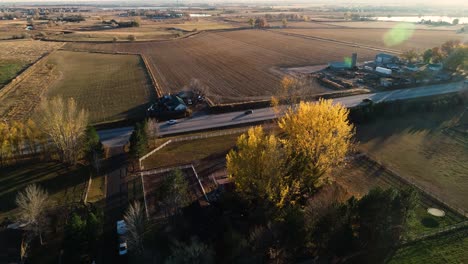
(235, 65)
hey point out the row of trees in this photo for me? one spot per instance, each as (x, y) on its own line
(61, 128)
(452, 53)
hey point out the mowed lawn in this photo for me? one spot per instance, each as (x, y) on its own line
(185, 152)
(447, 248)
(416, 146)
(110, 87)
(64, 185)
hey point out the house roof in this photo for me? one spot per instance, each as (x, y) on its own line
(385, 55)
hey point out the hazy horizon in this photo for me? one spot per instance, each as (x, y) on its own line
(276, 2)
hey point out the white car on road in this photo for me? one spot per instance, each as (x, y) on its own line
(172, 122)
(122, 246)
(121, 227)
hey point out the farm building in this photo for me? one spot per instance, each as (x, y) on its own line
(384, 59)
(168, 106)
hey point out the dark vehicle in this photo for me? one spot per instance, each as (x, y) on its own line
(367, 100)
(248, 112)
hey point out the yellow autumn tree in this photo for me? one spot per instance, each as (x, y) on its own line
(284, 170)
(317, 137)
(257, 167)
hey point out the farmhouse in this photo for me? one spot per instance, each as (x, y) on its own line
(384, 59)
(168, 106)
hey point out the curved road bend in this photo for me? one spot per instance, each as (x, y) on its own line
(119, 136)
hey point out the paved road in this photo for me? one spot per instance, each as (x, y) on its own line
(201, 122)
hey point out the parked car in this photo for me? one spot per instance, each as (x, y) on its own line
(172, 122)
(189, 102)
(122, 246)
(121, 227)
(367, 100)
(248, 112)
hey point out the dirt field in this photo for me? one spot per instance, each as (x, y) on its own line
(377, 37)
(111, 87)
(419, 147)
(235, 65)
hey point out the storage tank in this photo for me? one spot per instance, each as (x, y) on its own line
(383, 70)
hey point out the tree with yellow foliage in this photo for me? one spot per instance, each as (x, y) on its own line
(258, 166)
(316, 137)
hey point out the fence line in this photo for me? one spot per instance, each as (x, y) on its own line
(140, 160)
(87, 189)
(210, 135)
(416, 185)
(437, 232)
(199, 182)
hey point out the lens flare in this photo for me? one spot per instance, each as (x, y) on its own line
(398, 34)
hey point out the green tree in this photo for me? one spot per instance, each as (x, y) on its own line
(251, 22)
(458, 59)
(138, 141)
(175, 192)
(94, 150)
(195, 252)
(382, 216)
(427, 56)
(455, 21)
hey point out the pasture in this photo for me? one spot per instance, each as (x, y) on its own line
(110, 87)
(443, 249)
(419, 146)
(236, 65)
(64, 185)
(17, 55)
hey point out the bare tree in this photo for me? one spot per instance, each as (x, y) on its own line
(152, 130)
(197, 87)
(136, 224)
(32, 203)
(289, 93)
(65, 124)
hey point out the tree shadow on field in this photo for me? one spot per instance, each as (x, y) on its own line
(52, 176)
(429, 222)
(383, 128)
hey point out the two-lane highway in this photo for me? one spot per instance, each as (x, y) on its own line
(203, 122)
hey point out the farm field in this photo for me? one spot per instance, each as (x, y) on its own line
(110, 87)
(417, 146)
(64, 185)
(447, 248)
(381, 38)
(386, 25)
(360, 175)
(149, 30)
(18, 54)
(236, 65)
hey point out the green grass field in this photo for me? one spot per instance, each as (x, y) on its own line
(185, 152)
(448, 248)
(418, 147)
(360, 176)
(9, 70)
(110, 87)
(63, 185)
